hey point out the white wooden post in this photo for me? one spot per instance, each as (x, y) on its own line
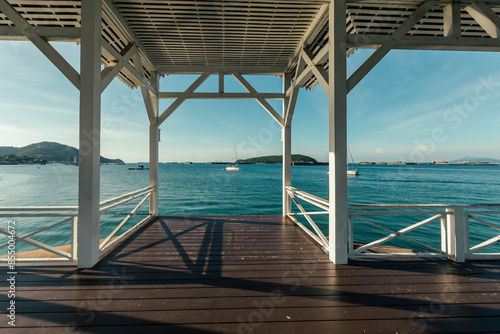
(450, 232)
(286, 138)
(456, 240)
(351, 234)
(90, 129)
(338, 132)
(74, 236)
(460, 243)
(154, 134)
(444, 234)
(154, 139)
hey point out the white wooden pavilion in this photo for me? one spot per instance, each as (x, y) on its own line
(305, 42)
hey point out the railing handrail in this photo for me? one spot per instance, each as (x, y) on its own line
(423, 206)
(71, 212)
(455, 235)
(38, 208)
(132, 193)
(320, 200)
(323, 201)
(71, 207)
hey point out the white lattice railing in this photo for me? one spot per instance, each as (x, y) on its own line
(323, 204)
(69, 215)
(454, 232)
(476, 216)
(363, 213)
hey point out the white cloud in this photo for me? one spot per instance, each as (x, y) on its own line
(7, 129)
(379, 150)
(423, 148)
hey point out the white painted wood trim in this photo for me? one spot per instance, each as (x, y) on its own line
(337, 94)
(90, 130)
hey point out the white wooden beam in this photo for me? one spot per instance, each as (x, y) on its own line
(56, 34)
(109, 73)
(222, 96)
(485, 17)
(292, 93)
(292, 101)
(181, 99)
(303, 77)
(48, 50)
(221, 83)
(286, 139)
(373, 60)
(154, 144)
(428, 43)
(128, 69)
(259, 98)
(337, 94)
(322, 56)
(145, 92)
(305, 73)
(452, 19)
(199, 69)
(318, 71)
(90, 130)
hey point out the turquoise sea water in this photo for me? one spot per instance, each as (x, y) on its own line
(201, 189)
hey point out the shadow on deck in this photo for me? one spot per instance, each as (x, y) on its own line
(251, 274)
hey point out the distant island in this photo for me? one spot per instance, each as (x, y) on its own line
(297, 159)
(44, 152)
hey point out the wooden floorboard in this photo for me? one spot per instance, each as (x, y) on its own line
(251, 274)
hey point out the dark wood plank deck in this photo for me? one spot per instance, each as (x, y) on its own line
(251, 274)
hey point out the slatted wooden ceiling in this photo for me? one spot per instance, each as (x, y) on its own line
(219, 33)
(234, 34)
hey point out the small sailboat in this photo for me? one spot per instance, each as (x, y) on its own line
(351, 172)
(233, 167)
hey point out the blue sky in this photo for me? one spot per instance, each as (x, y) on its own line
(414, 106)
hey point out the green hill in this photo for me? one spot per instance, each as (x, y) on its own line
(277, 159)
(49, 151)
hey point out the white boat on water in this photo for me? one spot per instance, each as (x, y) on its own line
(233, 167)
(351, 172)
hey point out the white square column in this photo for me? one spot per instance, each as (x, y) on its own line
(286, 138)
(90, 135)
(154, 145)
(154, 138)
(338, 132)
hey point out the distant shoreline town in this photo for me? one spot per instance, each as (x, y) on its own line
(463, 163)
(50, 152)
(45, 153)
(379, 163)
